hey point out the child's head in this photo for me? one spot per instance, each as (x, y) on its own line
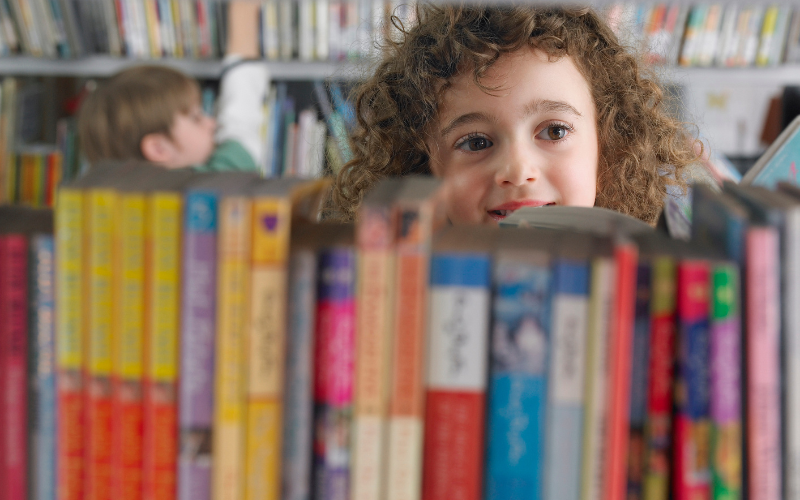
(148, 113)
(515, 106)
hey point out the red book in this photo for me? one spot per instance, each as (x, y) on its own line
(619, 376)
(13, 365)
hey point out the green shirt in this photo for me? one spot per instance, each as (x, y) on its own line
(230, 156)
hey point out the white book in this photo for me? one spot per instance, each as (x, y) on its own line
(305, 29)
(334, 30)
(316, 150)
(269, 12)
(321, 36)
(726, 39)
(287, 28)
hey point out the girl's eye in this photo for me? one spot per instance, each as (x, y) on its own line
(474, 143)
(554, 132)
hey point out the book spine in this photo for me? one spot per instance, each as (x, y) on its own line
(595, 414)
(404, 453)
(640, 361)
(69, 343)
(691, 475)
(99, 215)
(299, 383)
(334, 379)
(518, 388)
(375, 242)
(41, 348)
(128, 362)
(619, 376)
(14, 365)
(456, 389)
(229, 375)
(161, 346)
(566, 379)
(198, 328)
(762, 325)
(266, 346)
(660, 379)
(725, 390)
(791, 318)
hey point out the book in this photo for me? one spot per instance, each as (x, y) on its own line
(778, 163)
(457, 364)
(585, 219)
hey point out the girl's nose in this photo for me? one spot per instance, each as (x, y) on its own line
(518, 166)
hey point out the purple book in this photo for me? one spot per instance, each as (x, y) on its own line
(198, 331)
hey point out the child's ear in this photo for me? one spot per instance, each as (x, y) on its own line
(157, 148)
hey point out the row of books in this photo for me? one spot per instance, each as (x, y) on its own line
(229, 347)
(294, 29)
(712, 33)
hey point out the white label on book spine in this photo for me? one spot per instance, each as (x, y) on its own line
(569, 348)
(458, 334)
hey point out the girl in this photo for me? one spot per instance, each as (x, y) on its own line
(515, 106)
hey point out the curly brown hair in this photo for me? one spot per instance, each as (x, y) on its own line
(640, 141)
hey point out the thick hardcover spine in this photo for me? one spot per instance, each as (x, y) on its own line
(406, 408)
(375, 235)
(298, 389)
(69, 342)
(601, 297)
(658, 429)
(566, 380)
(128, 362)
(726, 384)
(334, 376)
(619, 370)
(457, 370)
(691, 477)
(198, 333)
(41, 349)
(763, 364)
(267, 346)
(640, 362)
(100, 247)
(521, 339)
(14, 365)
(161, 346)
(233, 286)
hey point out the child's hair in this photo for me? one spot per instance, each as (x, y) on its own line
(135, 102)
(640, 143)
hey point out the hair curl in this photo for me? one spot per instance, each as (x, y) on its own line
(640, 142)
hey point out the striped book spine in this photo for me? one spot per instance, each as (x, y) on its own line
(457, 371)
(198, 334)
(163, 251)
(595, 415)
(375, 233)
(41, 348)
(762, 344)
(726, 388)
(566, 379)
(639, 367)
(14, 365)
(128, 362)
(299, 383)
(227, 480)
(691, 447)
(267, 345)
(517, 409)
(334, 376)
(658, 429)
(99, 216)
(69, 342)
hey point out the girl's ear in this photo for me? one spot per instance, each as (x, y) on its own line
(157, 148)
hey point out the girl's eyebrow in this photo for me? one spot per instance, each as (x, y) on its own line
(466, 119)
(547, 106)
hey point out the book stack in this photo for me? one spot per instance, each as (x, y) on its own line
(211, 340)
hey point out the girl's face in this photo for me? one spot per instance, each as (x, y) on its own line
(531, 142)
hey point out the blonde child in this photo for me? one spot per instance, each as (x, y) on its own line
(154, 113)
(515, 106)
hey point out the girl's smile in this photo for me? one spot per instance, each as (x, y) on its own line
(530, 140)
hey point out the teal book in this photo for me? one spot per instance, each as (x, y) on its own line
(779, 162)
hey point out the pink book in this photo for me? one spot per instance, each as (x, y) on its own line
(763, 404)
(13, 365)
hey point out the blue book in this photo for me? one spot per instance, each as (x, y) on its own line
(518, 376)
(42, 401)
(780, 161)
(570, 309)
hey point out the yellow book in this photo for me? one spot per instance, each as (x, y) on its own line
(178, 25)
(767, 35)
(129, 287)
(153, 27)
(234, 250)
